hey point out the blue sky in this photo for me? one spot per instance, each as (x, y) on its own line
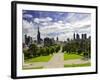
(56, 16)
(53, 24)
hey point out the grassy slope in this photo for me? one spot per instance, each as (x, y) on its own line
(77, 65)
(71, 56)
(32, 68)
(39, 59)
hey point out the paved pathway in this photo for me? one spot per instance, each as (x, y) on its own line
(56, 61)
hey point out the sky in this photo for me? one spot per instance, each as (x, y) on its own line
(55, 24)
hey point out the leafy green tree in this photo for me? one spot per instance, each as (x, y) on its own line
(57, 48)
(33, 50)
(27, 55)
(47, 51)
(52, 50)
(38, 52)
(42, 51)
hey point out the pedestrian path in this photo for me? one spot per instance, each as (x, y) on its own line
(56, 61)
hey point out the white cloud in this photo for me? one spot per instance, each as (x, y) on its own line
(36, 20)
(67, 29)
(62, 29)
(27, 24)
(48, 18)
(29, 29)
(65, 36)
(44, 23)
(74, 17)
(27, 16)
(41, 20)
(81, 24)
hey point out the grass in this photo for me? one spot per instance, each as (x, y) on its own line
(71, 56)
(32, 68)
(39, 59)
(77, 65)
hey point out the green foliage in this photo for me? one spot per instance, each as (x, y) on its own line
(42, 51)
(57, 48)
(52, 50)
(26, 54)
(78, 46)
(33, 50)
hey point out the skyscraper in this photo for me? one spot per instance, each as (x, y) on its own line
(74, 36)
(84, 36)
(77, 36)
(38, 36)
(26, 39)
(57, 38)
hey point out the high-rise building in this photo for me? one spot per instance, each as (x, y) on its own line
(57, 39)
(84, 36)
(89, 37)
(77, 36)
(38, 36)
(74, 36)
(26, 40)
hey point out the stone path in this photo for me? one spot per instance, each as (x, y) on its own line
(56, 61)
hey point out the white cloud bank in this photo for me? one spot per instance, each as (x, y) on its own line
(62, 29)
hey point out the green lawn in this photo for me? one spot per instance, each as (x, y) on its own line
(32, 68)
(71, 56)
(77, 65)
(39, 59)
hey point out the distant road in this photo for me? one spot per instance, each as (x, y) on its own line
(57, 61)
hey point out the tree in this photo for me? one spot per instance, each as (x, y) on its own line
(27, 55)
(57, 48)
(52, 50)
(38, 52)
(33, 50)
(47, 51)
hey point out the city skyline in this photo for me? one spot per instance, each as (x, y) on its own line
(53, 24)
